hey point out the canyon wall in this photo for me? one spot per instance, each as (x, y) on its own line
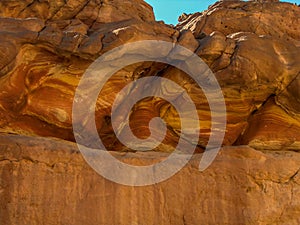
(253, 49)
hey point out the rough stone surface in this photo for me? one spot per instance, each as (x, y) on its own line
(46, 181)
(254, 55)
(259, 17)
(252, 47)
(90, 12)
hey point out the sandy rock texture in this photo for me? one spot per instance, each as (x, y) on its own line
(46, 181)
(253, 49)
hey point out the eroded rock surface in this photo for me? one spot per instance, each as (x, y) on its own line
(253, 48)
(47, 181)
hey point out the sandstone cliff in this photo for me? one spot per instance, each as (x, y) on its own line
(253, 48)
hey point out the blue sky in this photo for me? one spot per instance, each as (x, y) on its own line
(170, 10)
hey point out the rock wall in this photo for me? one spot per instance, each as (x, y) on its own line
(253, 52)
(253, 48)
(46, 181)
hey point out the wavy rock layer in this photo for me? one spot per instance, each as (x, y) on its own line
(253, 52)
(253, 48)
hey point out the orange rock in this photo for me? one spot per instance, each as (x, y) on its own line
(46, 56)
(252, 47)
(50, 181)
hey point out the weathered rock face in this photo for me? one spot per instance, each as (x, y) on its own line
(47, 181)
(253, 48)
(276, 19)
(252, 51)
(43, 61)
(89, 12)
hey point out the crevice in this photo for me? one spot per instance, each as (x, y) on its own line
(295, 78)
(56, 11)
(277, 102)
(249, 118)
(197, 34)
(294, 175)
(96, 19)
(39, 33)
(26, 7)
(81, 9)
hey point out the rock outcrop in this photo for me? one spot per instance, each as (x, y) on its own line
(253, 52)
(253, 48)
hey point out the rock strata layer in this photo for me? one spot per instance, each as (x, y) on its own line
(253, 49)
